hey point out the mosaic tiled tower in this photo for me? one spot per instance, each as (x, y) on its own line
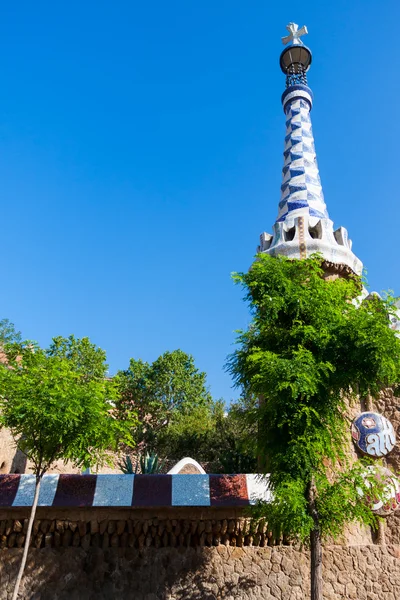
(303, 226)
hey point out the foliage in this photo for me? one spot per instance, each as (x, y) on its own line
(160, 392)
(55, 411)
(126, 465)
(58, 405)
(149, 464)
(310, 345)
(8, 333)
(190, 434)
(237, 437)
(87, 359)
(215, 434)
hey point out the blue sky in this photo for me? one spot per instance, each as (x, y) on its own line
(141, 153)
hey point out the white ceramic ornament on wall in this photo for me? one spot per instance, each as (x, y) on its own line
(373, 434)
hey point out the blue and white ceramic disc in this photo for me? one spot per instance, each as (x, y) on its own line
(373, 434)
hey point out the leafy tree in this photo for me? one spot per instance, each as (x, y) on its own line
(58, 407)
(8, 333)
(191, 434)
(215, 434)
(160, 391)
(311, 347)
(86, 358)
(178, 417)
(236, 438)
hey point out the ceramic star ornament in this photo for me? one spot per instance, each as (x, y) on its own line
(294, 34)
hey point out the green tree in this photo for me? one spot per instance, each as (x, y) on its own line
(220, 436)
(87, 359)
(191, 433)
(56, 408)
(236, 438)
(311, 347)
(8, 333)
(160, 392)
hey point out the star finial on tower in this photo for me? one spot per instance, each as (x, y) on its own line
(303, 226)
(295, 34)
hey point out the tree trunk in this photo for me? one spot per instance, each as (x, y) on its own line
(381, 538)
(316, 565)
(315, 545)
(260, 455)
(28, 537)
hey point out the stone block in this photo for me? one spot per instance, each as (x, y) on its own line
(82, 528)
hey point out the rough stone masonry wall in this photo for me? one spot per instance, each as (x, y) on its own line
(248, 573)
(177, 553)
(141, 533)
(389, 405)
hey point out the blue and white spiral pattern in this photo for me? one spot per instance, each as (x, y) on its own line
(301, 190)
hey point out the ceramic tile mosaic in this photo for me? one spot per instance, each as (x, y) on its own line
(257, 489)
(301, 188)
(74, 490)
(373, 434)
(116, 490)
(228, 490)
(191, 490)
(152, 490)
(26, 490)
(303, 226)
(134, 490)
(9, 485)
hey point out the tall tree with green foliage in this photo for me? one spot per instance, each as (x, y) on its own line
(86, 358)
(216, 434)
(58, 405)
(311, 347)
(170, 386)
(8, 333)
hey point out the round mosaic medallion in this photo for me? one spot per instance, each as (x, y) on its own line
(373, 434)
(390, 500)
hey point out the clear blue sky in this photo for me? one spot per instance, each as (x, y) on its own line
(141, 153)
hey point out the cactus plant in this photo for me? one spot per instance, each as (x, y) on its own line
(149, 464)
(126, 466)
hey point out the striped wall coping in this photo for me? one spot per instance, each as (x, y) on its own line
(134, 491)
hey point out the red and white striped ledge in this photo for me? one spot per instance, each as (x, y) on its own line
(136, 491)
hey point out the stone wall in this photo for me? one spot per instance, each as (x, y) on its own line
(177, 553)
(105, 532)
(389, 405)
(279, 573)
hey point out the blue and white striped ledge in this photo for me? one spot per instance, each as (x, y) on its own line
(135, 491)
